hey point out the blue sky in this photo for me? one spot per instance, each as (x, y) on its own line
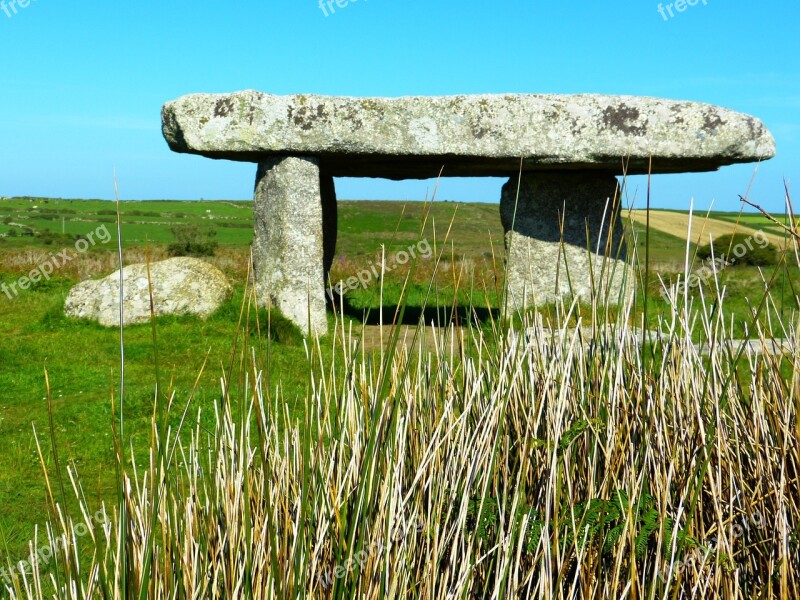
(82, 83)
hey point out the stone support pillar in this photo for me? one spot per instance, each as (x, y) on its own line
(289, 254)
(544, 262)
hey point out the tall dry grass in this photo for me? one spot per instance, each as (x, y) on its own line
(534, 464)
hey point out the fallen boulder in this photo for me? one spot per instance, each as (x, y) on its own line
(181, 286)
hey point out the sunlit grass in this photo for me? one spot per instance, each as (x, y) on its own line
(547, 457)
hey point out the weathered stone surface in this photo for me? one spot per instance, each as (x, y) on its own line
(546, 339)
(181, 286)
(414, 137)
(288, 250)
(542, 261)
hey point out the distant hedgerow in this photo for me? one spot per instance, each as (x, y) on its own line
(191, 240)
(742, 249)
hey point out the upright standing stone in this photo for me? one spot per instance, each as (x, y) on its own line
(544, 263)
(288, 243)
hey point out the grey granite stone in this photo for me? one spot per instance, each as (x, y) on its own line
(563, 237)
(181, 286)
(288, 252)
(414, 137)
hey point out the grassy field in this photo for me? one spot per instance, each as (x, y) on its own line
(705, 226)
(82, 360)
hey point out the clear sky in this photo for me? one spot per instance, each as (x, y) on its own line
(82, 82)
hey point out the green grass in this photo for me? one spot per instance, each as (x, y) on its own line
(493, 464)
(665, 249)
(82, 359)
(363, 225)
(142, 221)
(755, 221)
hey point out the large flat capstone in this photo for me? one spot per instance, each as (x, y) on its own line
(419, 137)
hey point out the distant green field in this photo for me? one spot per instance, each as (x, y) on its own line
(363, 225)
(82, 359)
(755, 220)
(141, 221)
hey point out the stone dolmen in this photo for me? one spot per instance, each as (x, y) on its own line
(562, 154)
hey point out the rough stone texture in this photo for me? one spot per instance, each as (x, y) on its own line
(288, 253)
(181, 286)
(539, 268)
(414, 137)
(546, 339)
